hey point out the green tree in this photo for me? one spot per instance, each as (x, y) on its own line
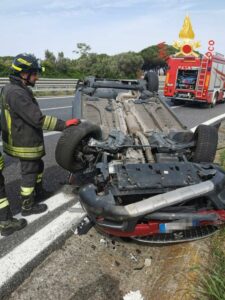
(5, 63)
(129, 63)
(154, 57)
(50, 64)
(124, 65)
(82, 49)
(62, 64)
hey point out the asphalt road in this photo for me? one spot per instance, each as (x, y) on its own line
(59, 107)
(55, 177)
(194, 114)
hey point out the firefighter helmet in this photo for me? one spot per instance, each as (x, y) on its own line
(26, 63)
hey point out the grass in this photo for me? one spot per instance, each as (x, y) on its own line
(211, 284)
(222, 158)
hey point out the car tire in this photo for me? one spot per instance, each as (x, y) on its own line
(152, 81)
(206, 138)
(70, 143)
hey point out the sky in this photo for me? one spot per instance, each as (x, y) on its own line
(108, 26)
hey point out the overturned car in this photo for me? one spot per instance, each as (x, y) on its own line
(141, 174)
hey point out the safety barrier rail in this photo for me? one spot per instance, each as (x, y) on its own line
(53, 84)
(49, 84)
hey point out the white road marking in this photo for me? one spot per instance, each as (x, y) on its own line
(176, 106)
(54, 108)
(58, 97)
(19, 258)
(211, 121)
(53, 203)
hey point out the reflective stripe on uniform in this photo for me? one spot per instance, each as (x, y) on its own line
(9, 125)
(3, 203)
(24, 152)
(49, 123)
(39, 177)
(26, 191)
(2, 164)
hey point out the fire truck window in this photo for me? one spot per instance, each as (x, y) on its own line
(186, 79)
(219, 67)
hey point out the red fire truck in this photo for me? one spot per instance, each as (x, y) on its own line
(200, 79)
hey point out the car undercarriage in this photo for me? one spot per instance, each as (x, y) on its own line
(141, 174)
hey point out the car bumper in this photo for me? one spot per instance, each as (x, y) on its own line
(127, 220)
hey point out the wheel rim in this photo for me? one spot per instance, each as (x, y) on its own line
(214, 101)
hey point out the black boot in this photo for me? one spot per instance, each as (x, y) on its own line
(41, 194)
(29, 207)
(11, 225)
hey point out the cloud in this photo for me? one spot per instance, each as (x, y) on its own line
(71, 7)
(107, 26)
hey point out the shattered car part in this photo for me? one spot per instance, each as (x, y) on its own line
(141, 173)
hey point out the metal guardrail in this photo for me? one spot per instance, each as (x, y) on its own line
(54, 84)
(49, 84)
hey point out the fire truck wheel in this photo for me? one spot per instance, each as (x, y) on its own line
(68, 152)
(152, 81)
(214, 101)
(206, 138)
(177, 102)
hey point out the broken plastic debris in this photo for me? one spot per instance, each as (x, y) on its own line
(75, 231)
(133, 257)
(148, 262)
(102, 241)
(133, 296)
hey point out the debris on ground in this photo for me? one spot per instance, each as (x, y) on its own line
(133, 296)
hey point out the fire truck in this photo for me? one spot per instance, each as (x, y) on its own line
(200, 79)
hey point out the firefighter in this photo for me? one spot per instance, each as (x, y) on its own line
(22, 129)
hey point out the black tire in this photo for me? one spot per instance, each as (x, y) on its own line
(152, 81)
(177, 102)
(206, 138)
(70, 145)
(214, 101)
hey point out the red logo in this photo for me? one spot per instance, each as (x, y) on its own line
(187, 49)
(211, 44)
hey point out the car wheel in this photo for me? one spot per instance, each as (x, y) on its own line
(206, 138)
(152, 81)
(68, 152)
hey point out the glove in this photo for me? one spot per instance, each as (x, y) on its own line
(72, 122)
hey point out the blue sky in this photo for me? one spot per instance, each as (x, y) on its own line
(108, 26)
